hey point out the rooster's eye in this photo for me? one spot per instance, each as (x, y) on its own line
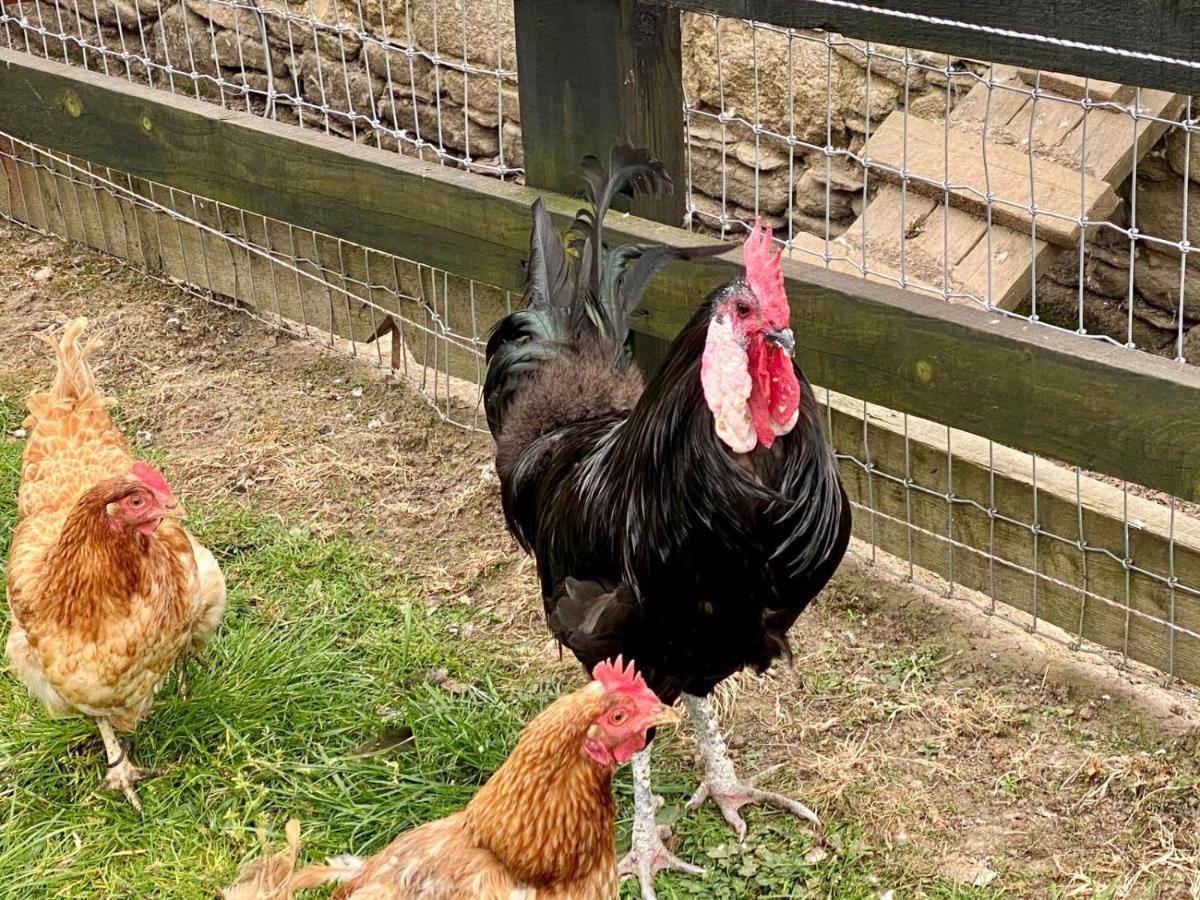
(743, 308)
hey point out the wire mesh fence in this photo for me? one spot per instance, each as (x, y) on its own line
(425, 325)
(434, 78)
(1060, 199)
(1051, 548)
(1063, 201)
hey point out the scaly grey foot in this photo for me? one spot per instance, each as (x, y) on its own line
(731, 795)
(721, 782)
(648, 854)
(122, 774)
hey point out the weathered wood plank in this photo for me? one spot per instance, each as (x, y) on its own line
(58, 198)
(1110, 136)
(593, 74)
(652, 63)
(1061, 35)
(1105, 408)
(1076, 87)
(570, 86)
(933, 155)
(1057, 130)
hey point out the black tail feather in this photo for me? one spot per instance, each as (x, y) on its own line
(584, 293)
(548, 279)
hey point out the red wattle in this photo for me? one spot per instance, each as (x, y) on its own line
(775, 392)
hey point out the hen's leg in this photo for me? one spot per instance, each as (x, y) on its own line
(721, 782)
(647, 853)
(186, 658)
(122, 774)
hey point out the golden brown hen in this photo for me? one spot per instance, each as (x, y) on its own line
(105, 587)
(542, 828)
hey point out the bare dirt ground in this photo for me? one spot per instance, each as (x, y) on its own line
(992, 756)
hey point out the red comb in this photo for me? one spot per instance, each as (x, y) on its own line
(619, 678)
(153, 479)
(764, 275)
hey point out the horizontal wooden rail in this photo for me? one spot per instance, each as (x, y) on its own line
(1060, 395)
(1149, 44)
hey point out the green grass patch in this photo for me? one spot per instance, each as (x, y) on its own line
(315, 705)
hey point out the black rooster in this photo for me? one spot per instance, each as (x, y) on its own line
(685, 524)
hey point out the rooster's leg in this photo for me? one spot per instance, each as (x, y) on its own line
(647, 853)
(122, 774)
(721, 781)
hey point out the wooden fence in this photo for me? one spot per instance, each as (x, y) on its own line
(597, 71)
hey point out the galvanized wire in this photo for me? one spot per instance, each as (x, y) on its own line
(1130, 271)
(337, 65)
(422, 321)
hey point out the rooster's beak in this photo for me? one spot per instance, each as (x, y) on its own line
(783, 339)
(665, 716)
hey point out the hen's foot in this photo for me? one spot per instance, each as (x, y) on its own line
(731, 795)
(647, 853)
(123, 775)
(721, 782)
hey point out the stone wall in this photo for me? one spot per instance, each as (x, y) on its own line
(1163, 177)
(377, 61)
(364, 61)
(818, 92)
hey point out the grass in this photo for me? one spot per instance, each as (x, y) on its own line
(319, 704)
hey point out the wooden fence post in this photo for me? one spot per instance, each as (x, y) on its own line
(592, 73)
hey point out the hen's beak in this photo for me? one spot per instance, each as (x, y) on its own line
(174, 511)
(666, 715)
(783, 339)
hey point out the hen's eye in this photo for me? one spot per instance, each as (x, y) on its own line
(136, 501)
(618, 717)
(743, 308)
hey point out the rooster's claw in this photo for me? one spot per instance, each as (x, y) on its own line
(731, 797)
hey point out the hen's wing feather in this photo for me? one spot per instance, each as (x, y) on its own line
(437, 860)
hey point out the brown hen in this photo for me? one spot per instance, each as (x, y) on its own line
(542, 828)
(105, 587)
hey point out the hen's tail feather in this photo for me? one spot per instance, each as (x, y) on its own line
(74, 379)
(336, 870)
(274, 877)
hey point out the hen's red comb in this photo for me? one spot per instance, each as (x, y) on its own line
(619, 678)
(153, 479)
(764, 275)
